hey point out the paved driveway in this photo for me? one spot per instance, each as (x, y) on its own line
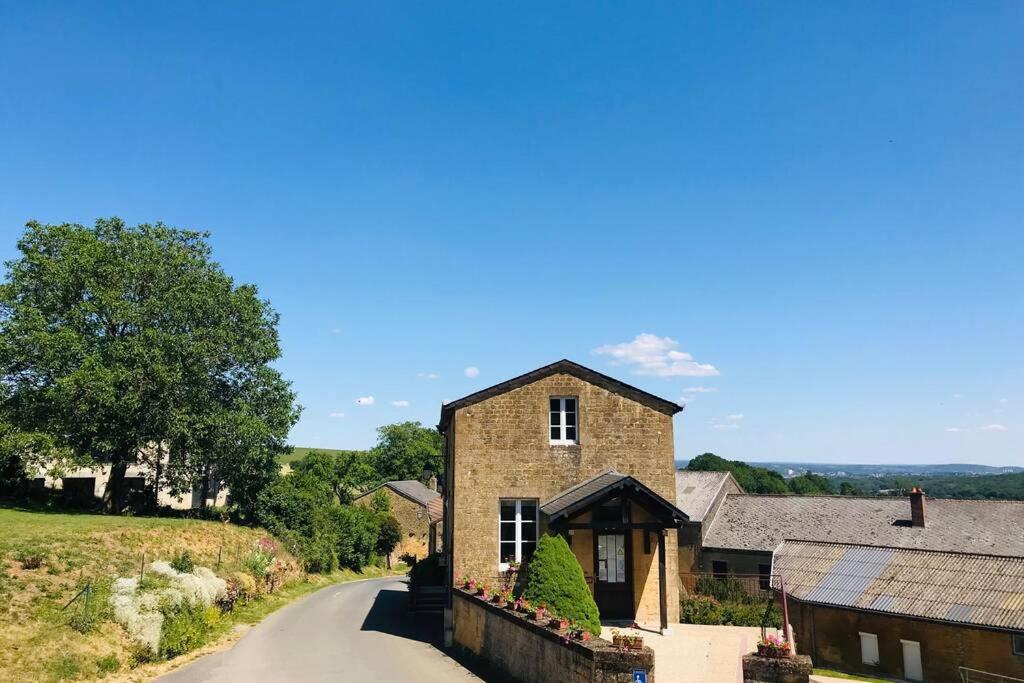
(359, 631)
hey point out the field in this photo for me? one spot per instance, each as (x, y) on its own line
(299, 452)
(38, 639)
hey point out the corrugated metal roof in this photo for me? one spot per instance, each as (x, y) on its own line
(965, 588)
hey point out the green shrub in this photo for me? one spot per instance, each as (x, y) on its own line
(703, 609)
(389, 533)
(700, 609)
(186, 627)
(183, 563)
(555, 578)
(257, 563)
(356, 528)
(727, 589)
(107, 665)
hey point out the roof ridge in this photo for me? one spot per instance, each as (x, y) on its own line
(932, 499)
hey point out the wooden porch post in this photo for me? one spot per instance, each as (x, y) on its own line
(662, 589)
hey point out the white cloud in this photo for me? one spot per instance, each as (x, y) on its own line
(400, 404)
(736, 417)
(700, 390)
(337, 415)
(365, 401)
(428, 375)
(953, 429)
(658, 356)
(724, 426)
(472, 372)
(994, 428)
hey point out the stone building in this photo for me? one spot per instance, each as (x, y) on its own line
(567, 450)
(918, 615)
(418, 508)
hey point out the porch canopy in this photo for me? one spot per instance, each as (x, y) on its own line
(565, 510)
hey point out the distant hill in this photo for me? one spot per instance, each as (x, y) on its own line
(299, 452)
(791, 469)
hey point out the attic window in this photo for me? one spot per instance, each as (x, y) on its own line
(563, 425)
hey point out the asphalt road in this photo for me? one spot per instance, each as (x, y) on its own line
(358, 631)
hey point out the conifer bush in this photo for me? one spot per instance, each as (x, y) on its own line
(555, 578)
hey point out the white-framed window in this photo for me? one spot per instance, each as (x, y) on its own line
(1018, 644)
(869, 648)
(517, 530)
(563, 423)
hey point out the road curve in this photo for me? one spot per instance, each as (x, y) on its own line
(359, 631)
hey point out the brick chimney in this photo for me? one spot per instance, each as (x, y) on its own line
(916, 507)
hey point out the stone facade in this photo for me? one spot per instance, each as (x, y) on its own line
(796, 669)
(831, 636)
(499, 448)
(511, 648)
(412, 517)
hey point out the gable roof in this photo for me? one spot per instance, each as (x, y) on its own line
(964, 588)
(762, 522)
(696, 492)
(416, 491)
(565, 367)
(602, 485)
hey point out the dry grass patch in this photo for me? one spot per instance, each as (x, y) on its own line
(39, 640)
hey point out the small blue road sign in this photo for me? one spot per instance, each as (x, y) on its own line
(639, 676)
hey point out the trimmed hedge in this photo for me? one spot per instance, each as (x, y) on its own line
(555, 578)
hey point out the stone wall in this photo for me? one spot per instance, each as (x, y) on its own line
(831, 637)
(510, 647)
(411, 516)
(501, 449)
(795, 669)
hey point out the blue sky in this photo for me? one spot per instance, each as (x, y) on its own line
(820, 204)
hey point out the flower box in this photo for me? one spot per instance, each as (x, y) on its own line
(558, 623)
(628, 642)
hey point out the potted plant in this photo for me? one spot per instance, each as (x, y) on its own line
(627, 641)
(558, 623)
(774, 647)
(523, 605)
(577, 632)
(484, 591)
(470, 584)
(505, 598)
(538, 612)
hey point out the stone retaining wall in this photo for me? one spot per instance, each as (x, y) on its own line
(513, 648)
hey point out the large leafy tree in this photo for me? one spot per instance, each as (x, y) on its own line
(118, 340)
(404, 450)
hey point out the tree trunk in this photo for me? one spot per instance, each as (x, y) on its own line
(206, 487)
(156, 478)
(113, 495)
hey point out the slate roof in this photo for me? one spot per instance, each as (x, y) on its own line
(416, 491)
(578, 496)
(963, 588)
(762, 522)
(566, 367)
(580, 492)
(697, 491)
